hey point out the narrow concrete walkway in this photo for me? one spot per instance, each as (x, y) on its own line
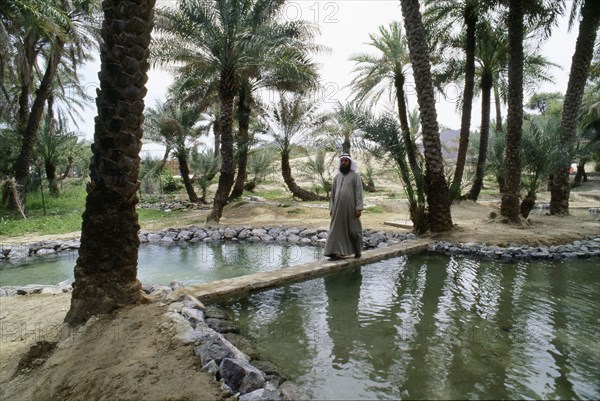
(260, 281)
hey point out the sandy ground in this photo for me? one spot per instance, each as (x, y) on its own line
(133, 354)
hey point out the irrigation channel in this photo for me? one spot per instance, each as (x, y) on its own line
(419, 325)
(433, 327)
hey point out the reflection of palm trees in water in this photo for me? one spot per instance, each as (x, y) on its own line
(560, 316)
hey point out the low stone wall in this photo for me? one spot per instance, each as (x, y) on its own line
(194, 234)
(226, 355)
(587, 248)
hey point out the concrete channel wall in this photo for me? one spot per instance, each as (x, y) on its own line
(265, 280)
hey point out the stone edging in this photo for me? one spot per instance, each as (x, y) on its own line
(240, 375)
(194, 234)
(581, 249)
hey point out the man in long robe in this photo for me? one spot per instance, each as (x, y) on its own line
(345, 208)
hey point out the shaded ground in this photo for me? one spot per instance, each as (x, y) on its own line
(134, 355)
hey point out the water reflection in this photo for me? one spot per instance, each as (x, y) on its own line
(435, 328)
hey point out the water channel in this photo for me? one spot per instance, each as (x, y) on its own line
(433, 327)
(422, 326)
(192, 264)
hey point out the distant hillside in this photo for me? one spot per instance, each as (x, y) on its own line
(449, 139)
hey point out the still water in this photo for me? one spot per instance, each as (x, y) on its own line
(433, 327)
(193, 264)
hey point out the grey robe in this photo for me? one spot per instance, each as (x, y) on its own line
(345, 230)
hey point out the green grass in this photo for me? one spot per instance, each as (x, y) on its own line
(274, 194)
(50, 224)
(373, 210)
(63, 214)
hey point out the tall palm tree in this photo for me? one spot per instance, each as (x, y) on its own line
(490, 55)
(285, 66)
(491, 59)
(540, 15)
(175, 126)
(293, 118)
(220, 37)
(67, 41)
(509, 206)
(588, 142)
(387, 70)
(584, 50)
(106, 269)
(25, 26)
(443, 16)
(438, 200)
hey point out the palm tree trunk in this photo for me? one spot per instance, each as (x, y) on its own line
(50, 169)
(527, 204)
(298, 192)
(438, 201)
(49, 165)
(26, 80)
(34, 118)
(184, 170)
(484, 134)
(227, 93)
(465, 123)
(163, 161)
(106, 270)
(580, 65)
(498, 108)
(67, 171)
(243, 142)
(580, 175)
(403, 115)
(509, 206)
(217, 150)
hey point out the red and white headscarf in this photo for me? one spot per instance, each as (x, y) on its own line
(347, 156)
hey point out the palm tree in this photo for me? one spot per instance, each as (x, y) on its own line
(539, 15)
(203, 162)
(386, 133)
(490, 55)
(539, 154)
(287, 67)
(588, 141)
(443, 16)
(340, 132)
(193, 86)
(509, 206)
(438, 200)
(387, 70)
(67, 41)
(491, 59)
(175, 126)
(54, 141)
(221, 37)
(584, 50)
(106, 270)
(294, 118)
